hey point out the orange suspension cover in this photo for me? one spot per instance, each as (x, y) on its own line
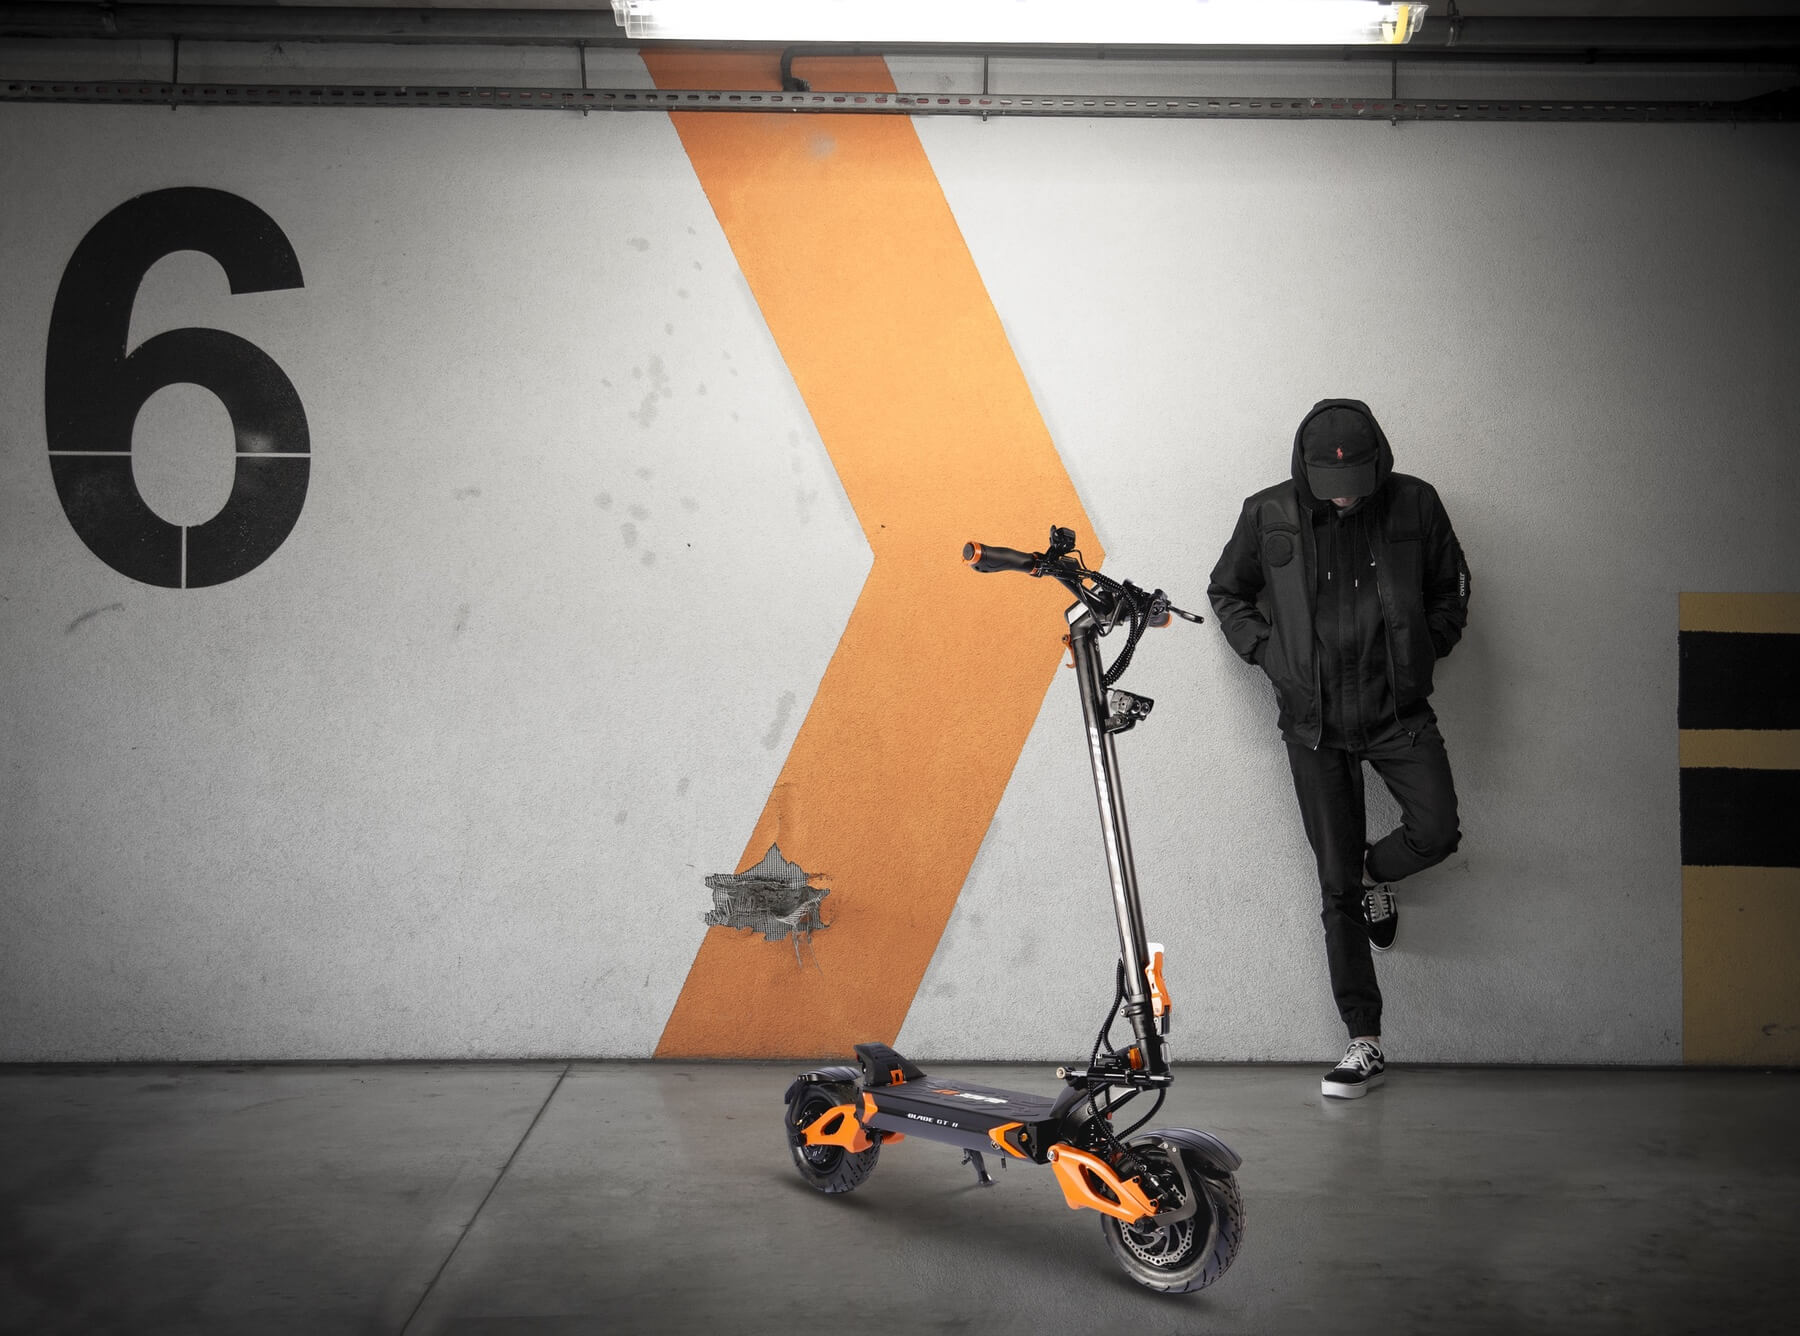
(1077, 1172)
(1160, 1003)
(869, 1111)
(844, 1129)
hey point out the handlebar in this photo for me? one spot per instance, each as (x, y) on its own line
(984, 558)
(1097, 591)
(1110, 601)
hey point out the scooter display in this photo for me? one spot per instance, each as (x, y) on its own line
(1167, 1199)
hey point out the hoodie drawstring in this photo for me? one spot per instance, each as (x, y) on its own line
(1362, 529)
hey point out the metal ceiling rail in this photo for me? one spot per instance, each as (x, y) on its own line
(1463, 38)
(1777, 107)
(310, 23)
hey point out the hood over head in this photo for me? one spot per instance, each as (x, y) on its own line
(1340, 450)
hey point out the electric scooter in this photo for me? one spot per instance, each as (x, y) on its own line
(1168, 1199)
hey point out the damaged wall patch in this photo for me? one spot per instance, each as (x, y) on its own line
(776, 898)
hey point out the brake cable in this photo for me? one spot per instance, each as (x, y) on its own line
(1139, 615)
(1127, 599)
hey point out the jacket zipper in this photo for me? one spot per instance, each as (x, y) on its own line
(1310, 541)
(1387, 633)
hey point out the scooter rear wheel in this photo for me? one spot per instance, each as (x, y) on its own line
(831, 1169)
(1188, 1254)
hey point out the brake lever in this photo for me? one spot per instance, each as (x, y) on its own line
(1161, 608)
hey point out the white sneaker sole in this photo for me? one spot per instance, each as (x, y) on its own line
(1335, 1090)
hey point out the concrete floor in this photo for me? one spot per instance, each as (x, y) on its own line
(634, 1197)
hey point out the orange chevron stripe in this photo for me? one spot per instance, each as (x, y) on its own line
(845, 238)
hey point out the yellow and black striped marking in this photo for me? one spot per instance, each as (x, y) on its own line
(1739, 711)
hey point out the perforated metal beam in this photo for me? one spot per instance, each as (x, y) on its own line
(1779, 107)
(1648, 40)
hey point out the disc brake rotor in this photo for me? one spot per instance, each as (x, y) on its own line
(1160, 1245)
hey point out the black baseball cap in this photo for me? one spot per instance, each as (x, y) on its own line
(1339, 450)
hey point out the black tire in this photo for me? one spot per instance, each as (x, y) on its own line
(1189, 1254)
(828, 1168)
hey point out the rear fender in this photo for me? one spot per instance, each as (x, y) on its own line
(820, 1076)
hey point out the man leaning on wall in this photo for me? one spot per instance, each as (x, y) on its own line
(1345, 584)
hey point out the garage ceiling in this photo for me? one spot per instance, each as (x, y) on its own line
(1632, 60)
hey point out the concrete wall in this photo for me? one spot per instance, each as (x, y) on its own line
(443, 776)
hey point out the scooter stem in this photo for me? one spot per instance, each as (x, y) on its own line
(1133, 945)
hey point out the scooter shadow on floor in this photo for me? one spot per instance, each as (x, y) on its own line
(1028, 1231)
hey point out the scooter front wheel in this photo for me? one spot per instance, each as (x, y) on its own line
(1184, 1255)
(830, 1169)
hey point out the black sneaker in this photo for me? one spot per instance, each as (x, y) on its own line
(1381, 916)
(1362, 1069)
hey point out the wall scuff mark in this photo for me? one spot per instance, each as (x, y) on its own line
(775, 898)
(92, 613)
(784, 709)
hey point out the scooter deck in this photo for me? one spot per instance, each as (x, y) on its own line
(961, 1113)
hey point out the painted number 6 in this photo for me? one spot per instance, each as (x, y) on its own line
(93, 390)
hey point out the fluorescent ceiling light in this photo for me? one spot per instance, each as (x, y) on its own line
(1079, 22)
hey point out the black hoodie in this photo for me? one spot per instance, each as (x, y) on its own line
(1265, 592)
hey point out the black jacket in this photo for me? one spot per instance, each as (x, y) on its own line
(1263, 586)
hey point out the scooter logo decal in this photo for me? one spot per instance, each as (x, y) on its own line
(937, 441)
(963, 1094)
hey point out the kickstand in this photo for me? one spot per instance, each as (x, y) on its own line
(981, 1174)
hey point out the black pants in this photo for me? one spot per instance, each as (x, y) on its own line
(1329, 784)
